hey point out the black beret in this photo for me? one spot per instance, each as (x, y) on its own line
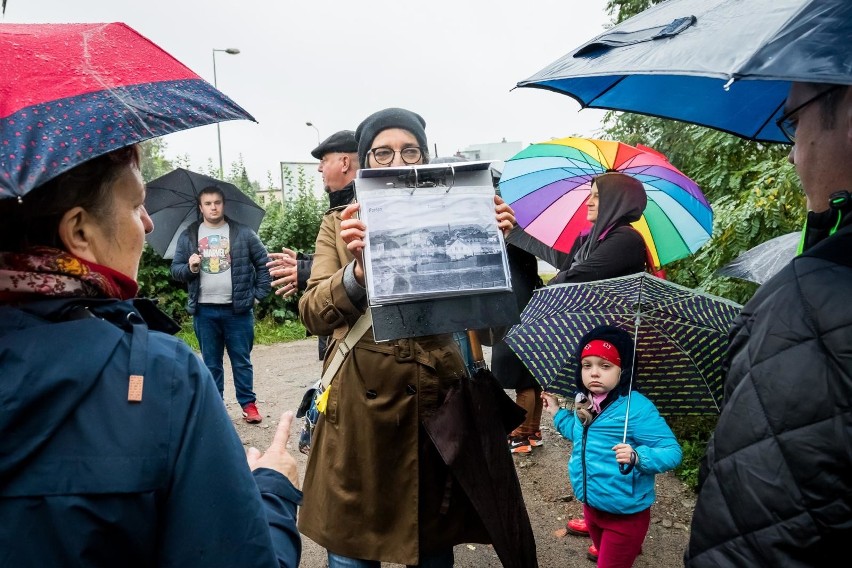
(343, 141)
(371, 126)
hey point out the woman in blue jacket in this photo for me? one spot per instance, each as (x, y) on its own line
(116, 448)
(613, 474)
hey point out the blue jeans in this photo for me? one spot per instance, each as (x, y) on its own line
(438, 559)
(217, 327)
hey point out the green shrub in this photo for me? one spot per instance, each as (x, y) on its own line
(188, 335)
(266, 332)
(693, 433)
(155, 282)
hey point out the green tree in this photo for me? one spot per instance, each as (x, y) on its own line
(620, 10)
(154, 161)
(751, 187)
(154, 276)
(292, 223)
(240, 178)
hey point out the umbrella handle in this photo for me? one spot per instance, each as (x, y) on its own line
(476, 349)
(626, 468)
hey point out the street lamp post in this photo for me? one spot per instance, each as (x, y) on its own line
(230, 51)
(311, 124)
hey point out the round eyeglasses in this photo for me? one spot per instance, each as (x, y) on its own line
(384, 155)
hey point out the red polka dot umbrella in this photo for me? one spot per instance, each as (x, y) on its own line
(72, 92)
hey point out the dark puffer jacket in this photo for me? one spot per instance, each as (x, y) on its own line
(776, 485)
(250, 278)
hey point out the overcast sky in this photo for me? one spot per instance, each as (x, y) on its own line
(334, 62)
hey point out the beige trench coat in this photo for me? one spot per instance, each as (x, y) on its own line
(375, 487)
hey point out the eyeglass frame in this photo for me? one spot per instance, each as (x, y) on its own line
(395, 152)
(783, 121)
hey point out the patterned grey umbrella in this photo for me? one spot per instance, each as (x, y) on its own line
(680, 334)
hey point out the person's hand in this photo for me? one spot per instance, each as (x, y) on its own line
(624, 453)
(195, 263)
(549, 403)
(284, 269)
(505, 215)
(277, 457)
(353, 231)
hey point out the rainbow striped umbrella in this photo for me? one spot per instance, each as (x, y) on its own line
(547, 185)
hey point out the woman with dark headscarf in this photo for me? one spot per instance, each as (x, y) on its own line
(376, 487)
(612, 247)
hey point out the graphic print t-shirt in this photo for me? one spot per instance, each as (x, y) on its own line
(214, 246)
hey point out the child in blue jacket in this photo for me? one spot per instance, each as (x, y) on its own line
(611, 476)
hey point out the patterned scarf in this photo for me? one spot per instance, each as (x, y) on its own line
(46, 271)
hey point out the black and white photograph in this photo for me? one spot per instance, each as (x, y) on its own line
(432, 242)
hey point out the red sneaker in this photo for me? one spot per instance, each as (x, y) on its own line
(577, 527)
(592, 553)
(251, 415)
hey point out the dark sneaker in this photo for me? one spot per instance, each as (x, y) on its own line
(592, 553)
(251, 415)
(577, 527)
(535, 439)
(519, 445)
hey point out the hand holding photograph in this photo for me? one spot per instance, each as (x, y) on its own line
(430, 236)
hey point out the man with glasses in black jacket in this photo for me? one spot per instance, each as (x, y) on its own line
(775, 483)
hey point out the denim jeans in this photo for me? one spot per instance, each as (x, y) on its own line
(438, 559)
(217, 327)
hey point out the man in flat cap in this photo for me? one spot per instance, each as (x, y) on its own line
(338, 156)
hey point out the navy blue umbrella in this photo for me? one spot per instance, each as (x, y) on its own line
(73, 92)
(725, 64)
(680, 336)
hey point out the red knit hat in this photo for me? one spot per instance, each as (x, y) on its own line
(602, 349)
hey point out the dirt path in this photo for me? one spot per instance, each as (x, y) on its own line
(284, 371)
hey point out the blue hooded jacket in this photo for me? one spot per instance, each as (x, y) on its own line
(88, 478)
(592, 469)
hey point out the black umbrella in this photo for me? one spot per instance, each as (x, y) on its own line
(172, 202)
(469, 431)
(760, 263)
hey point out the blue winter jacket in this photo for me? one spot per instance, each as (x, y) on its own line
(88, 478)
(250, 279)
(592, 469)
